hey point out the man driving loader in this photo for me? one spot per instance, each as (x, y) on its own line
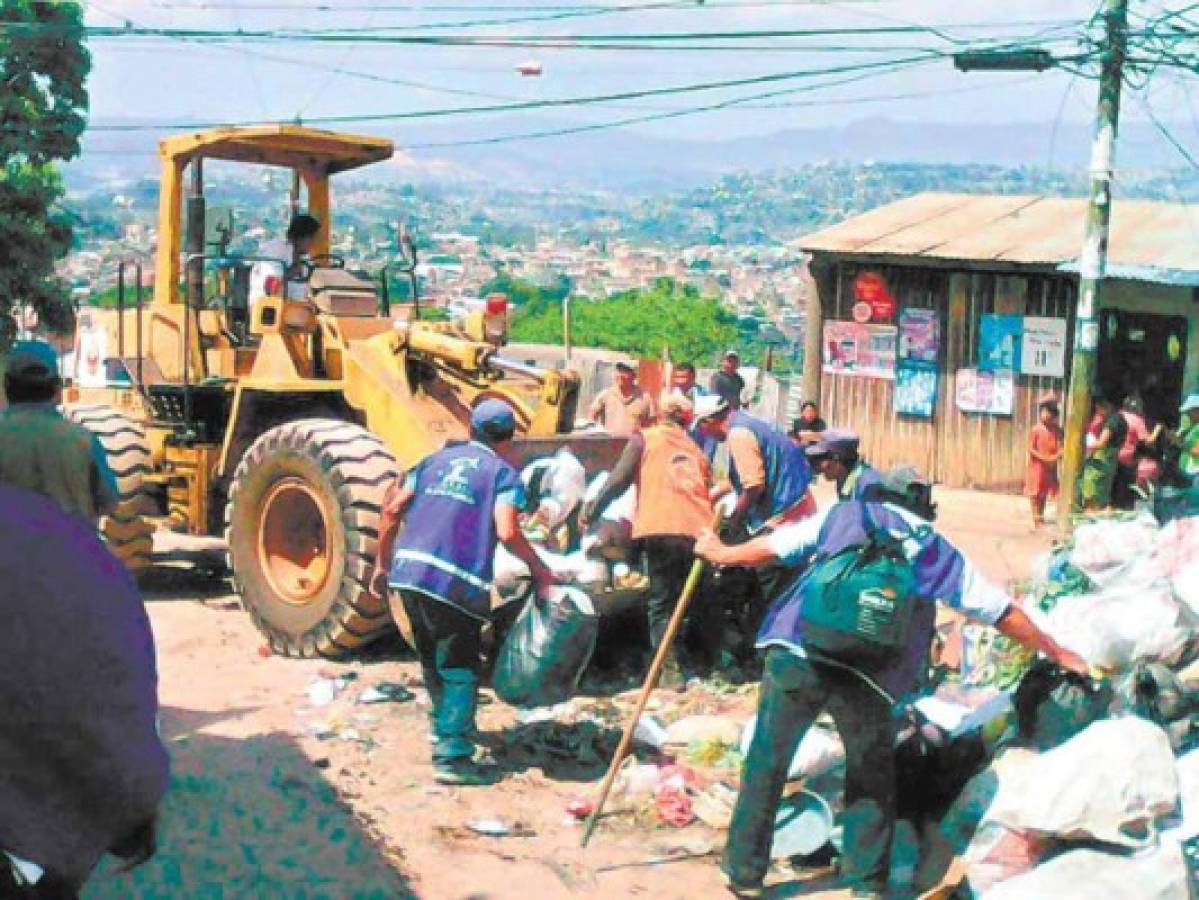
(301, 232)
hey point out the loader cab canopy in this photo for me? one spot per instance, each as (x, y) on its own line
(311, 154)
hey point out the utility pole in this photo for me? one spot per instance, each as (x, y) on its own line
(1093, 259)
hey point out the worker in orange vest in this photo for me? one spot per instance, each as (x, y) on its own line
(674, 505)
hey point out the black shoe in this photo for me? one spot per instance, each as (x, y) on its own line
(465, 772)
(741, 889)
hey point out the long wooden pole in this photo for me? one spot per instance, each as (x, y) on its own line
(651, 681)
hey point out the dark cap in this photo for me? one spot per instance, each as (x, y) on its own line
(905, 486)
(836, 442)
(624, 366)
(31, 359)
(494, 419)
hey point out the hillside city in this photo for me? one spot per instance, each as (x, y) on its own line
(733, 239)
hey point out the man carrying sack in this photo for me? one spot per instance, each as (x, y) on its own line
(851, 636)
(455, 506)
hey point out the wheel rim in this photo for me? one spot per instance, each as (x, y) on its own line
(293, 541)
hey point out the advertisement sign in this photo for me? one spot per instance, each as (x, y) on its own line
(916, 389)
(91, 349)
(919, 335)
(851, 348)
(999, 343)
(986, 392)
(1043, 349)
(870, 292)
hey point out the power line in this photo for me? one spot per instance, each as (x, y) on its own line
(552, 103)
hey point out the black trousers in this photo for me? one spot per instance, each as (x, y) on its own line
(669, 559)
(448, 643)
(794, 692)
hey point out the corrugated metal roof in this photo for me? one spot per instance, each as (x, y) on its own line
(1148, 242)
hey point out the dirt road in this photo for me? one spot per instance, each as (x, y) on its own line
(275, 795)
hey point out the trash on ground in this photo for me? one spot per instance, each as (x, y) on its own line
(695, 729)
(802, 826)
(547, 649)
(650, 731)
(490, 827)
(714, 805)
(1111, 783)
(386, 692)
(1157, 874)
(323, 691)
(1053, 705)
(580, 808)
(818, 752)
(673, 805)
(956, 709)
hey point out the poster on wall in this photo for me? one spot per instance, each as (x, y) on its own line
(986, 392)
(919, 335)
(999, 342)
(851, 348)
(916, 389)
(872, 298)
(1043, 349)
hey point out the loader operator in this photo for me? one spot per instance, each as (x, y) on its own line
(455, 506)
(301, 232)
(39, 449)
(805, 674)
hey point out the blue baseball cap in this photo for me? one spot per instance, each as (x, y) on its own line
(493, 418)
(31, 359)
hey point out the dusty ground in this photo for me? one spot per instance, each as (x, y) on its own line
(262, 807)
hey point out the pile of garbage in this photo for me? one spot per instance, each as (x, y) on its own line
(1093, 785)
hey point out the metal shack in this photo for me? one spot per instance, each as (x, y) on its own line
(944, 317)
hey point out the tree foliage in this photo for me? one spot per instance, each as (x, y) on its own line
(43, 107)
(643, 322)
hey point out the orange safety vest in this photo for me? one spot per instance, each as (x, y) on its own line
(672, 485)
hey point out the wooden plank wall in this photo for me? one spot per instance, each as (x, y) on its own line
(959, 449)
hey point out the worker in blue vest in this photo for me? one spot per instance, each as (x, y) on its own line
(455, 506)
(835, 455)
(801, 681)
(771, 475)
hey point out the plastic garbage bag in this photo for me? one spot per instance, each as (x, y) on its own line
(1052, 705)
(1102, 547)
(818, 752)
(1122, 624)
(1157, 874)
(558, 482)
(1111, 782)
(547, 649)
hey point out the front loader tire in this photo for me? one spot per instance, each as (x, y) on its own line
(302, 525)
(126, 532)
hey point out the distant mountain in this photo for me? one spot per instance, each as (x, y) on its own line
(633, 160)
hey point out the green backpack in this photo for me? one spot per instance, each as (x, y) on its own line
(857, 605)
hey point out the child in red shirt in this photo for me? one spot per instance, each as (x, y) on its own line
(1044, 451)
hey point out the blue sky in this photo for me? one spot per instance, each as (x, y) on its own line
(182, 81)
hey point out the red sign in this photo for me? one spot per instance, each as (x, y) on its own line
(871, 289)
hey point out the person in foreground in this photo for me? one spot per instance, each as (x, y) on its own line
(455, 506)
(82, 769)
(799, 681)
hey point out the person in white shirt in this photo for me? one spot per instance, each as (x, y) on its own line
(289, 253)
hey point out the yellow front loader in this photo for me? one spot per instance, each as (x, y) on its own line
(278, 419)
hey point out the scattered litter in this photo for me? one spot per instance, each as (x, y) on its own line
(650, 731)
(579, 808)
(956, 709)
(324, 690)
(386, 692)
(714, 806)
(490, 827)
(802, 826)
(695, 729)
(319, 730)
(1159, 874)
(673, 805)
(496, 827)
(547, 649)
(818, 752)
(321, 762)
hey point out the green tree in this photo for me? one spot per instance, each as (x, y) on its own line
(43, 107)
(643, 322)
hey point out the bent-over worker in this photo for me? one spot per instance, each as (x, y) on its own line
(799, 682)
(673, 506)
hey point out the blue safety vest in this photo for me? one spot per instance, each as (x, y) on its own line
(787, 471)
(447, 545)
